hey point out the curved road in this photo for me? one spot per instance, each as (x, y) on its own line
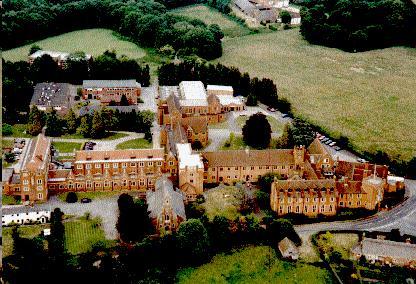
(402, 217)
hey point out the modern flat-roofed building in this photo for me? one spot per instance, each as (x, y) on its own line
(107, 91)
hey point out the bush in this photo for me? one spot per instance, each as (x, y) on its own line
(6, 129)
(71, 197)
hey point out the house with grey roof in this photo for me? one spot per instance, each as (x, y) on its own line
(108, 91)
(386, 252)
(57, 96)
(165, 205)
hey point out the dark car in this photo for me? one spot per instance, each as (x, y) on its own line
(86, 200)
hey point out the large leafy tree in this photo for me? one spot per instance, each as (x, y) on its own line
(257, 131)
(36, 121)
(56, 242)
(193, 241)
(98, 128)
(53, 124)
(45, 69)
(300, 133)
(71, 121)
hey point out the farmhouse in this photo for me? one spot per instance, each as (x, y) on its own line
(59, 57)
(262, 11)
(386, 252)
(107, 91)
(57, 96)
(25, 215)
(166, 205)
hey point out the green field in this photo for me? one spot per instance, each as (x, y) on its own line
(66, 147)
(81, 234)
(139, 143)
(91, 41)
(19, 130)
(237, 143)
(253, 265)
(369, 97)
(223, 202)
(211, 16)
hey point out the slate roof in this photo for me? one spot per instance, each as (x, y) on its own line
(249, 157)
(6, 174)
(36, 157)
(53, 95)
(110, 84)
(302, 184)
(24, 209)
(386, 248)
(91, 109)
(119, 155)
(164, 192)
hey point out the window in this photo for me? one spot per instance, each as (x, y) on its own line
(150, 164)
(141, 164)
(89, 184)
(88, 166)
(106, 166)
(306, 209)
(115, 165)
(133, 183)
(79, 167)
(322, 208)
(289, 209)
(61, 186)
(341, 203)
(159, 163)
(191, 181)
(236, 168)
(79, 185)
(97, 166)
(25, 188)
(25, 182)
(124, 165)
(106, 183)
(297, 209)
(252, 168)
(125, 182)
(40, 195)
(221, 169)
(171, 164)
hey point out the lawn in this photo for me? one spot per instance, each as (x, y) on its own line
(19, 130)
(223, 201)
(7, 143)
(367, 96)
(237, 143)
(220, 125)
(211, 16)
(9, 200)
(253, 265)
(91, 41)
(66, 147)
(277, 127)
(139, 143)
(81, 234)
(26, 231)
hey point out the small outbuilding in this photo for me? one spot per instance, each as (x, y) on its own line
(288, 249)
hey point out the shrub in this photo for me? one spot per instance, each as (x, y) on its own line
(7, 129)
(71, 197)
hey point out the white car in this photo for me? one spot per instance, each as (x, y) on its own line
(332, 144)
(361, 160)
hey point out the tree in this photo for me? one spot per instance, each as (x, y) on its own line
(395, 235)
(257, 131)
(124, 101)
(219, 232)
(282, 228)
(300, 133)
(265, 181)
(45, 69)
(285, 16)
(193, 241)
(36, 121)
(34, 48)
(53, 124)
(85, 126)
(411, 168)
(251, 100)
(197, 145)
(283, 141)
(133, 220)
(71, 197)
(71, 122)
(9, 157)
(76, 68)
(263, 199)
(6, 129)
(56, 242)
(97, 126)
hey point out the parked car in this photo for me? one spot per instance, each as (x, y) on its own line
(332, 144)
(328, 142)
(337, 148)
(285, 115)
(325, 139)
(361, 160)
(86, 200)
(321, 138)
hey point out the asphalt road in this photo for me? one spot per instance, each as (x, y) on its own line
(402, 217)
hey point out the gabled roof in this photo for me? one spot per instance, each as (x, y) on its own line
(132, 83)
(287, 245)
(38, 154)
(119, 155)
(248, 158)
(197, 123)
(53, 94)
(165, 195)
(386, 248)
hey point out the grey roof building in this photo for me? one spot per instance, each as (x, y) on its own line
(58, 96)
(91, 109)
(166, 205)
(131, 83)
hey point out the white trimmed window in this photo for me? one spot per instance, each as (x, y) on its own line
(106, 165)
(88, 166)
(115, 165)
(79, 167)
(40, 195)
(98, 166)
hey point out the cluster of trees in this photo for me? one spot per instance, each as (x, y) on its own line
(221, 5)
(359, 25)
(257, 131)
(94, 126)
(19, 77)
(263, 90)
(146, 23)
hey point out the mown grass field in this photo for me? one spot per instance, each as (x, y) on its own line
(139, 143)
(223, 201)
(211, 16)
(66, 147)
(253, 265)
(81, 235)
(369, 97)
(91, 41)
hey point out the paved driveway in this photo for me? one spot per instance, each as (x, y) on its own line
(105, 208)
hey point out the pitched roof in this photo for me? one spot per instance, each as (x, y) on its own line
(119, 155)
(110, 84)
(192, 93)
(91, 109)
(349, 186)
(37, 155)
(197, 123)
(227, 100)
(186, 158)
(58, 175)
(220, 88)
(386, 248)
(53, 95)
(248, 158)
(302, 184)
(6, 174)
(163, 194)
(286, 244)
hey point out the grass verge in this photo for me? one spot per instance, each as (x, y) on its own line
(139, 143)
